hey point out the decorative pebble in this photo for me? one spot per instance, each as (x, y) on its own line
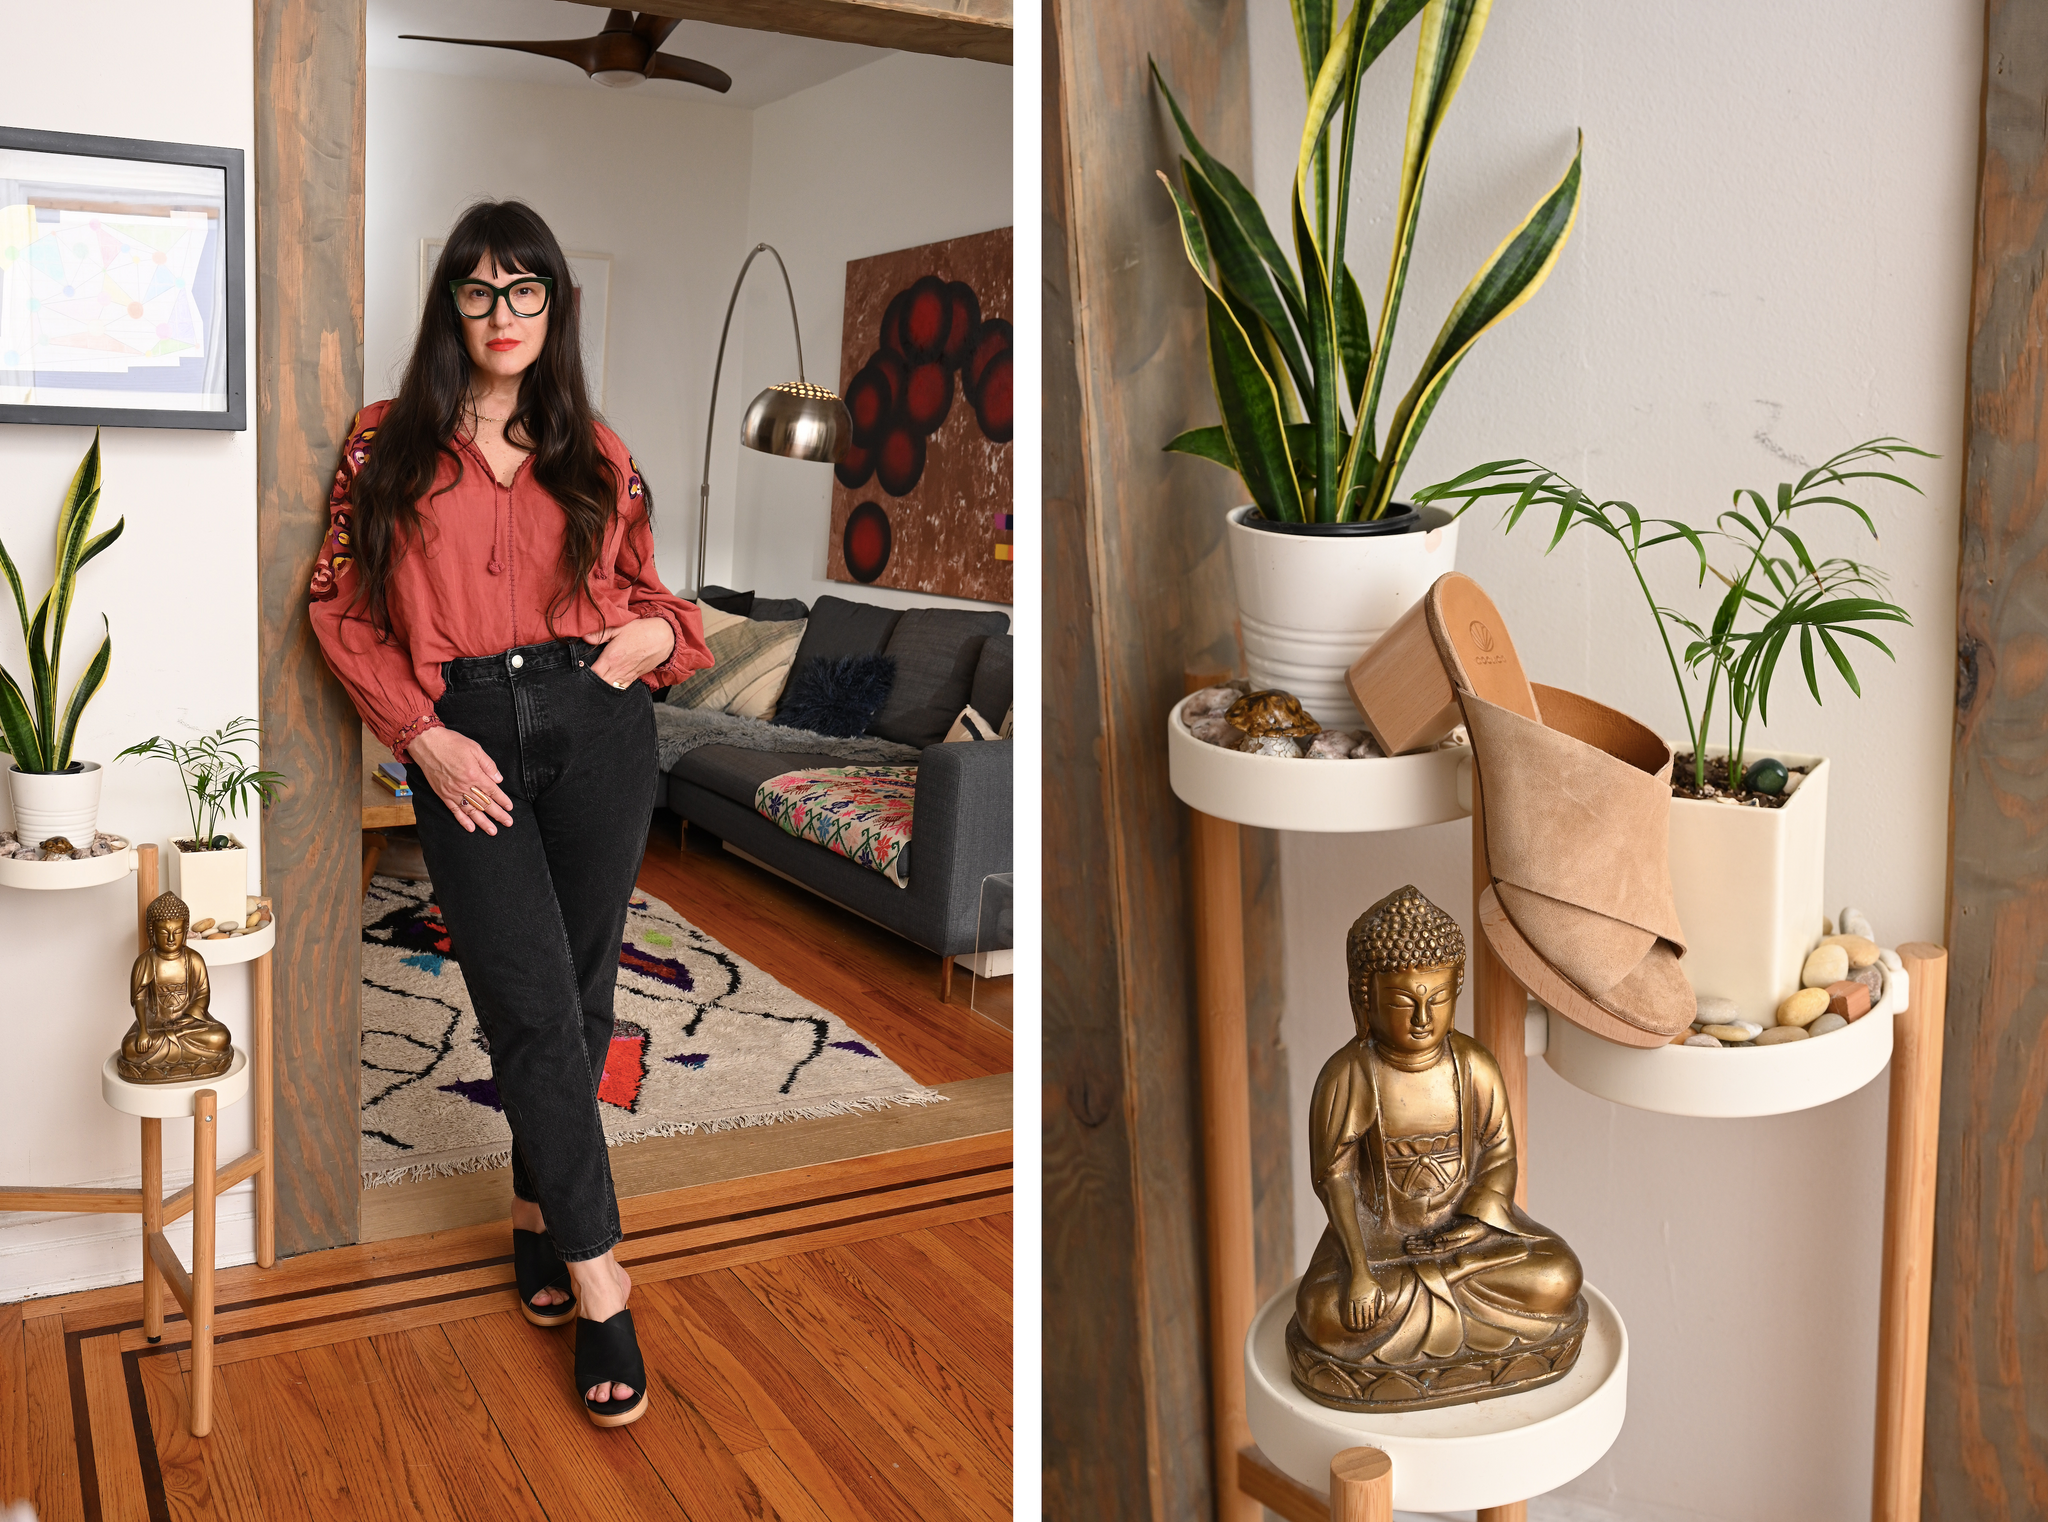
(1825, 1024)
(255, 918)
(1872, 978)
(1890, 959)
(1828, 963)
(1827, 927)
(1331, 745)
(1792, 782)
(1214, 729)
(215, 935)
(1712, 1009)
(1804, 1007)
(1735, 1035)
(1778, 1035)
(1367, 749)
(1849, 1000)
(1701, 1039)
(1207, 701)
(1767, 775)
(1855, 922)
(1285, 746)
(199, 926)
(1862, 950)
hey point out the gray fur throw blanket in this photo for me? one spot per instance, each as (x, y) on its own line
(678, 731)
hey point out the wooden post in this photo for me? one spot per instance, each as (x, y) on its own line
(1912, 1150)
(1226, 1144)
(266, 1140)
(1361, 1486)
(1500, 1018)
(205, 1151)
(146, 890)
(152, 1222)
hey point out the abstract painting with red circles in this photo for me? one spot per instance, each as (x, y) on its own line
(921, 500)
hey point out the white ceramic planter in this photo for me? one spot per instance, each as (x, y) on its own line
(1748, 884)
(1310, 604)
(56, 803)
(213, 884)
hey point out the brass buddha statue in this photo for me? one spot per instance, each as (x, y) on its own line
(1429, 1287)
(174, 1037)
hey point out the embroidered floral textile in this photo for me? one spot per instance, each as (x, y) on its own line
(862, 812)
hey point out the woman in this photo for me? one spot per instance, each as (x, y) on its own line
(487, 594)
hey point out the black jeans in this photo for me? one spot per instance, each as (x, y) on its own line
(535, 913)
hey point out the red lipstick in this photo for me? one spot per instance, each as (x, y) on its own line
(501, 345)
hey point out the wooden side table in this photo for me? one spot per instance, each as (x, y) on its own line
(202, 1100)
(382, 810)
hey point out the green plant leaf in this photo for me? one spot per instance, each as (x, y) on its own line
(95, 673)
(1354, 340)
(100, 541)
(1322, 356)
(14, 583)
(1243, 274)
(1210, 443)
(42, 675)
(1252, 417)
(1514, 273)
(18, 727)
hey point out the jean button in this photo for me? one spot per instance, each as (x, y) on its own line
(518, 661)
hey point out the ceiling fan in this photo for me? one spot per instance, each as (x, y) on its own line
(619, 57)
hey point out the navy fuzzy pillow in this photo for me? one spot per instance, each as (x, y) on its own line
(836, 695)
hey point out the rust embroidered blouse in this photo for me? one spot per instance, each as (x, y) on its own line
(483, 585)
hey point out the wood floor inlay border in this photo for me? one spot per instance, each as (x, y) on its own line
(788, 1218)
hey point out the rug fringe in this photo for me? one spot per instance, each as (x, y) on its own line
(413, 1173)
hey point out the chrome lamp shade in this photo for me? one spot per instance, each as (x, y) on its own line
(799, 421)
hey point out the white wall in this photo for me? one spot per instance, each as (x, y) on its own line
(908, 150)
(1772, 262)
(180, 590)
(658, 182)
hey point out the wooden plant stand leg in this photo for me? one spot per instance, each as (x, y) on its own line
(205, 1148)
(1226, 1145)
(1362, 1486)
(1912, 1144)
(152, 1222)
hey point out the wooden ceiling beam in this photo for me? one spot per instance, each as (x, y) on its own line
(979, 29)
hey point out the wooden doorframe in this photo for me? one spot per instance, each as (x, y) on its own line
(1987, 1388)
(308, 382)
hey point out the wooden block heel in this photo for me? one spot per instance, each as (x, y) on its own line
(1401, 687)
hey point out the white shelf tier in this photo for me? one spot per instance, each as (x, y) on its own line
(1455, 1458)
(1328, 797)
(170, 1101)
(246, 947)
(1731, 1082)
(59, 875)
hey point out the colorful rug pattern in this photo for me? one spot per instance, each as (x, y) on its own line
(862, 812)
(704, 1042)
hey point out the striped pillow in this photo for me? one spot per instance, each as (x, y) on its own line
(753, 660)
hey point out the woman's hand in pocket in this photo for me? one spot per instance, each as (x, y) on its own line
(461, 774)
(630, 651)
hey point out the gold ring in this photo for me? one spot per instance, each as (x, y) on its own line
(622, 686)
(478, 794)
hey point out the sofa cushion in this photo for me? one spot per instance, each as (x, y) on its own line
(769, 610)
(992, 692)
(839, 627)
(740, 604)
(936, 651)
(836, 695)
(753, 661)
(738, 774)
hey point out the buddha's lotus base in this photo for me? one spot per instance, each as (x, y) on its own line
(1354, 1385)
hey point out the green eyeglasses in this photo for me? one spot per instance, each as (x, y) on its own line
(526, 296)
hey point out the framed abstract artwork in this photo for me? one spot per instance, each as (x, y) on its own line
(921, 501)
(593, 274)
(122, 286)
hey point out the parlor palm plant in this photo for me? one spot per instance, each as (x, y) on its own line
(1297, 367)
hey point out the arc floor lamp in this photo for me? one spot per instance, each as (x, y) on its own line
(794, 419)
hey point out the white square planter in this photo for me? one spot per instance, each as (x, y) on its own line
(213, 884)
(1749, 888)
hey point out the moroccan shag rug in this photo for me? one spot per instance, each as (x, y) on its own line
(704, 1042)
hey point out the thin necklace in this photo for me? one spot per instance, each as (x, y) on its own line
(484, 417)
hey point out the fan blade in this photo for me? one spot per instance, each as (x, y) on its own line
(689, 71)
(581, 51)
(652, 29)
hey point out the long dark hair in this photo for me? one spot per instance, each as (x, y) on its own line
(553, 414)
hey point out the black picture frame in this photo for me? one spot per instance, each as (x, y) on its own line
(235, 416)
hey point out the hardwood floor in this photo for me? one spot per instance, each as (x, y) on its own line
(823, 1344)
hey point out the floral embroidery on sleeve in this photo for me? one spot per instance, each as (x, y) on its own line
(635, 487)
(337, 553)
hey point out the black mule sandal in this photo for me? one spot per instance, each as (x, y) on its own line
(608, 1352)
(537, 1266)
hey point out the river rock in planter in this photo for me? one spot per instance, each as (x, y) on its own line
(1367, 749)
(1214, 729)
(1862, 951)
(1711, 1009)
(1767, 775)
(1889, 960)
(1825, 964)
(1332, 745)
(1872, 978)
(1701, 1038)
(1207, 701)
(1733, 1035)
(1826, 1025)
(1778, 1035)
(1855, 922)
(1804, 1007)
(1284, 746)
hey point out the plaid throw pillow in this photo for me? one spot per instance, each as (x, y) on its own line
(752, 664)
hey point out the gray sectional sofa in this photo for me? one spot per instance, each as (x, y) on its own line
(961, 829)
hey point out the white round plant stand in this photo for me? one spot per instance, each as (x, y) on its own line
(53, 876)
(1349, 797)
(172, 1101)
(1731, 1081)
(1482, 1454)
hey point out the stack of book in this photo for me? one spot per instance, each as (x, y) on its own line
(392, 776)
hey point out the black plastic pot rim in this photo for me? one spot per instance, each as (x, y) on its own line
(1400, 518)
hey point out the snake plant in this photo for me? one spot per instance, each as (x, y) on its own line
(1290, 350)
(37, 735)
